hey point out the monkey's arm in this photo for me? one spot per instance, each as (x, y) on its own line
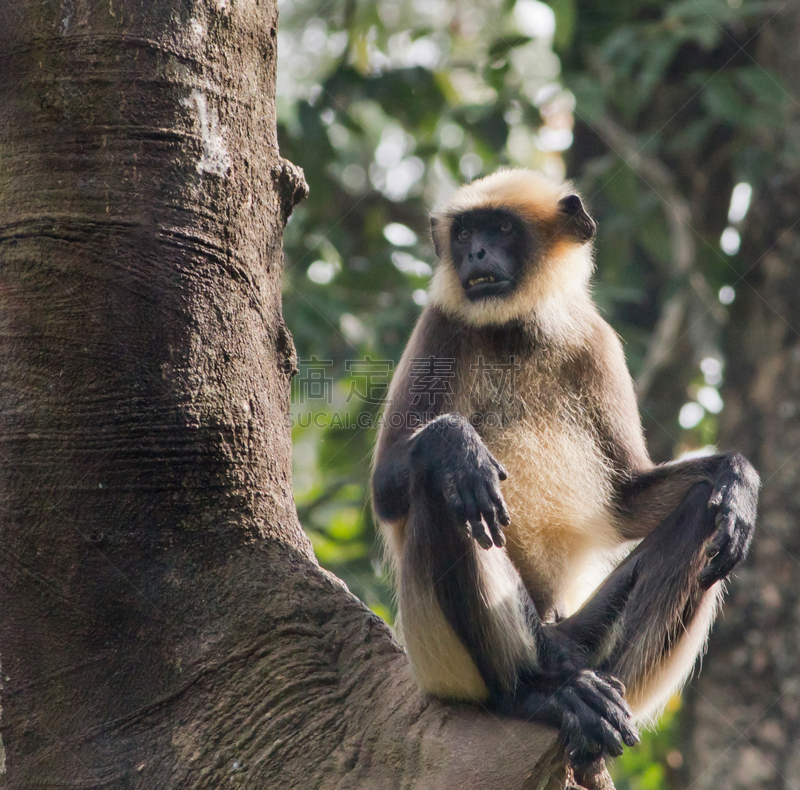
(647, 498)
(411, 404)
(646, 494)
(465, 477)
(649, 620)
(390, 480)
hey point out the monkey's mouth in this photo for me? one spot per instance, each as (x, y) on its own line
(482, 286)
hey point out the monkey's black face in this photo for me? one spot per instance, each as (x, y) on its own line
(488, 248)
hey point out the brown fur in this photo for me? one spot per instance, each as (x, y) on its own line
(568, 431)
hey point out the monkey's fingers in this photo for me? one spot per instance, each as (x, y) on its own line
(500, 506)
(491, 517)
(599, 737)
(598, 690)
(718, 568)
(474, 517)
(612, 740)
(726, 549)
(604, 699)
(717, 496)
(480, 535)
(574, 741)
(554, 710)
(723, 535)
(455, 504)
(464, 516)
(595, 726)
(496, 531)
(592, 718)
(614, 682)
(469, 513)
(501, 470)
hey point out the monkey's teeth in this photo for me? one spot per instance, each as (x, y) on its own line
(479, 280)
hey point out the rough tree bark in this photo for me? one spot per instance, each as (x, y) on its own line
(164, 622)
(742, 723)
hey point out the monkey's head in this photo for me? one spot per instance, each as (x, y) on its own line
(510, 245)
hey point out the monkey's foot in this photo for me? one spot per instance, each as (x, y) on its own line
(588, 709)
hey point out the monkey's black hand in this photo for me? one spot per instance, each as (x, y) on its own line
(456, 464)
(588, 709)
(734, 499)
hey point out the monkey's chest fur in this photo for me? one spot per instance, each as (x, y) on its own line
(562, 537)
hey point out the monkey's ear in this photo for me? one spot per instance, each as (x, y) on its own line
(577, 222)
(436, 244)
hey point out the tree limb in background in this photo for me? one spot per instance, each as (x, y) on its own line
(683, 251)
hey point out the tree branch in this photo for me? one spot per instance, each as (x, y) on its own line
(682, 248)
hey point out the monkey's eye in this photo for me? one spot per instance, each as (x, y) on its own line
(463, 235)
(506, 226)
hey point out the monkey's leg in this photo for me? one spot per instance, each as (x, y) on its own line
(463, 608)
(649, 620)
(470, 627)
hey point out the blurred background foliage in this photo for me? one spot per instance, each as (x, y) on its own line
(655, 109)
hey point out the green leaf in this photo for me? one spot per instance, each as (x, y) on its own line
(657, 59)
(332, 552)
(724, 100)
(565, 13)
(411, 95)
(502, 46)
(345, 524)
(589, 101)
(771, 94)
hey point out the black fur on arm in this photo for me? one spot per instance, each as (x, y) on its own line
(647, 495)
(449, 457)
(390, 482)
(410, 408)
(644, 497)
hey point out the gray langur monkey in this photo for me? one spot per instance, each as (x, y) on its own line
(509, 495)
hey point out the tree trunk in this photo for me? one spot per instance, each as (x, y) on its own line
(742, 723)
(164, 621)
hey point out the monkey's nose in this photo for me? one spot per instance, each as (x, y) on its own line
(479, 255)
